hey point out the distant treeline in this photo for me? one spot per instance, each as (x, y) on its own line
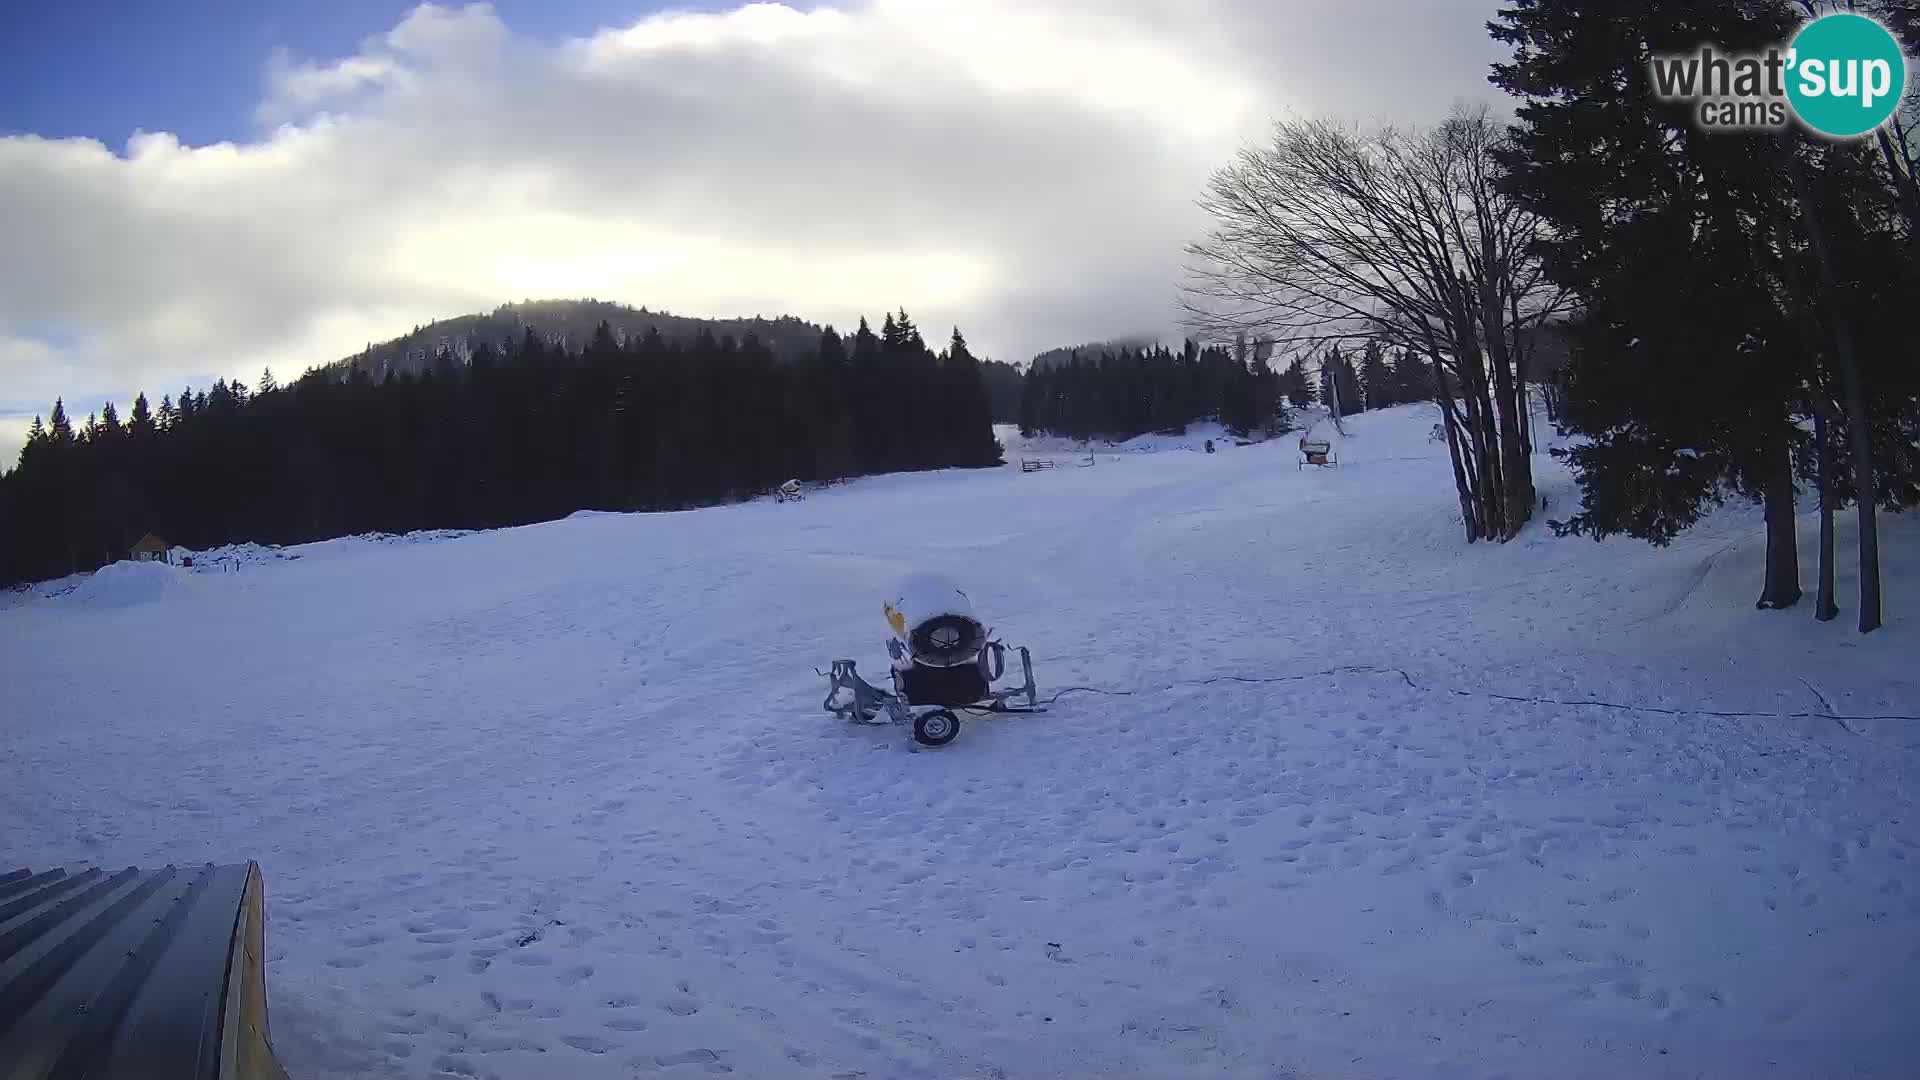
(522, 432)
(1120, 392)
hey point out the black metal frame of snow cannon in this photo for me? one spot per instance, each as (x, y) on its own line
(930, 698)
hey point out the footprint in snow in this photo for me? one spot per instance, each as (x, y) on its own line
(588, 1043)
(700, 1056)
(497, 1044)
(576, 973)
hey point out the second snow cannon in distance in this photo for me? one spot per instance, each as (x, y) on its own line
(944, 659)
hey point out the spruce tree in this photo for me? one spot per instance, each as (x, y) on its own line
(60, 429)
(1376, 382)
(1297, 386)
(1684, 372)
(971, 410)
(36, 438)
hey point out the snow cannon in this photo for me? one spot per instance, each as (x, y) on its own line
(933, 618)
(945, 661)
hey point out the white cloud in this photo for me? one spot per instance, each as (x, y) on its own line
(1024, 169)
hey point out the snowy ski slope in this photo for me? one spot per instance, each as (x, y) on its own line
(1344, 798)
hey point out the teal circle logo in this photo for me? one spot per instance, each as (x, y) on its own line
(1845, 75)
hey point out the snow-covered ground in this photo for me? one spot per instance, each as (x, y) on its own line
(1345, 798)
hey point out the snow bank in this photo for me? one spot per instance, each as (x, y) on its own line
(421, 536)
(126, 584)
(230, 556)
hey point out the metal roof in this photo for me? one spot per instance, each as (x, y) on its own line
(148, 973)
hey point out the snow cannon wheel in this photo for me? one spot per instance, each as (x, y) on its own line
(936, 728)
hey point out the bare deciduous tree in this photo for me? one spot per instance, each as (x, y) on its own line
(1330, 235)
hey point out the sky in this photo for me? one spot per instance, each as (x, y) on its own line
(192, 191)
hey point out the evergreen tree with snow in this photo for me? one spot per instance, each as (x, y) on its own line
(1684, 369)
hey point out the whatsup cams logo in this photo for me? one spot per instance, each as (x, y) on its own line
(1842, 76)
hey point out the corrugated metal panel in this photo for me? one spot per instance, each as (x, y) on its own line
(128, 974)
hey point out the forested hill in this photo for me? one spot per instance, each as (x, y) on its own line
(516, 434)
(1065, 354)
(568, 325)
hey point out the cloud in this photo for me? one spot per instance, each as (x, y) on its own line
(1024, 169)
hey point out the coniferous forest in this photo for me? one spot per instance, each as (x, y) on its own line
(1124, 392)
(1117, 393)
(521, 432)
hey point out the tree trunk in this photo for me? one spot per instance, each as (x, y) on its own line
(1486, 450)
(1469, 364)
(1468, 517)
(1859, 429)
(1782, 587)
(1474, 451)
(1516, 491)
(1862, 446)
(1824, 609)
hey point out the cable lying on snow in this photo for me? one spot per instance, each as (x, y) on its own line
(1839, 718)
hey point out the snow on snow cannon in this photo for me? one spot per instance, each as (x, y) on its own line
(944, 659)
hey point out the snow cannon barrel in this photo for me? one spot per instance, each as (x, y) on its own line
(935, 619)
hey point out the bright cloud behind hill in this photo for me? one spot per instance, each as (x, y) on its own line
(1026, 170)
